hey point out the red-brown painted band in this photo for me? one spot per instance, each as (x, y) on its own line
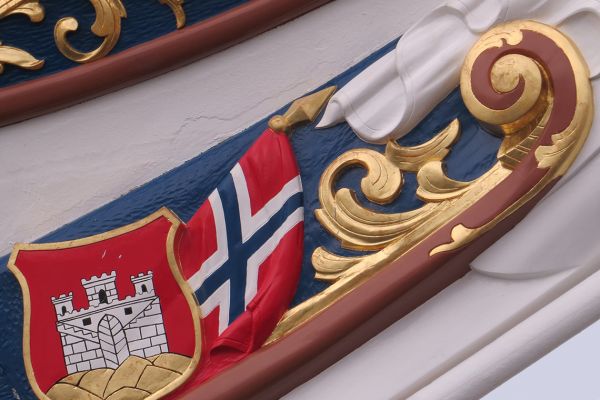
(562, 80)
(391, 294)
(404, 284)
(63, 89)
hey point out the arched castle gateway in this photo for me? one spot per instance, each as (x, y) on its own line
(109, 330)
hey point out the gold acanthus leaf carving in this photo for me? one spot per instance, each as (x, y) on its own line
(32, 8)
(360, 228)
(18, 57)
(413, 158)
(107, 26)
(435, 186)
(330, 266)
(12, 55)
(177, 8)
(522, 122)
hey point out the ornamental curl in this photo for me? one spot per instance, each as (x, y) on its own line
(528, 81)
(107, 26)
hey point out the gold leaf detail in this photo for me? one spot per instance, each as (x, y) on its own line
(136, 378)
(563, 142)
(435, 186)
(461, 235)
(305, 109)
(32, 8)
(394, 235)
(13, 55)
(177, 8)
(358, 227)
(18, 57)
(413, 158)
(330, 266)
(107, 25)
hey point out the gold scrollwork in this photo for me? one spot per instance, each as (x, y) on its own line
(32, 8)
(107, 26)
(435, 186)
(556, 157)
(12, 55)
(177, 8)
(522, 121)
(360, 228)
(392, 235)
(413, 158)
(18, 57)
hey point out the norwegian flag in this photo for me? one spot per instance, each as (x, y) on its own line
(241, 252)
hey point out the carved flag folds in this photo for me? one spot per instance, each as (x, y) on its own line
(117, 304)
(242, 252)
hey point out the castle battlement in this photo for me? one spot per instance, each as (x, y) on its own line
(71, 314)
(62, 298)
(143, 282)
(94, 280)
(141, 276)
(102, 293)
(88, 335)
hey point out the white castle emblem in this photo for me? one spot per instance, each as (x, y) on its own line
(109, 330)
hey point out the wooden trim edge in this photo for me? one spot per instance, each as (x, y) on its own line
(147, 60)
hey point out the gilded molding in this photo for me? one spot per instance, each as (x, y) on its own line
(177, 8)
(107, 26)
(544, 127)
(12, 55)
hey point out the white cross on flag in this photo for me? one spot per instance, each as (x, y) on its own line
(242, 252)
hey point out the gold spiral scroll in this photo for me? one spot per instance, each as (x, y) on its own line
(551, 113)
(107, 26)
(525, 81)
(177, 8)
(12, 55)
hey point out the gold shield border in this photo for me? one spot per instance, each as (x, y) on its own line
(175, 270)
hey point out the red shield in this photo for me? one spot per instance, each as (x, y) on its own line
(107, 313)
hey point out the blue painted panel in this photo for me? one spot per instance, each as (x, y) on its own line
(146, 20)
(185, 188)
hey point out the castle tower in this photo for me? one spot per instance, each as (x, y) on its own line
(143, 283)
(101, 290)
(63, 304)
(98, 336)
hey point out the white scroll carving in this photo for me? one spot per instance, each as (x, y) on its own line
(392, 96)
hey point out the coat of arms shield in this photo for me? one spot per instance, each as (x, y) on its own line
(108, 316)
